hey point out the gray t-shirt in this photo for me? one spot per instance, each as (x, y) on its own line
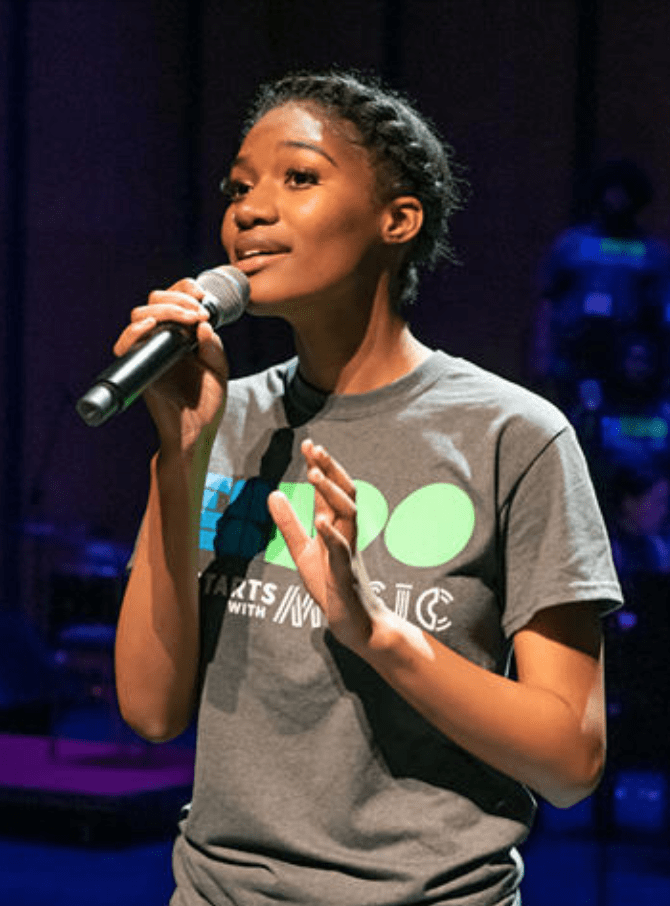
(315, 782)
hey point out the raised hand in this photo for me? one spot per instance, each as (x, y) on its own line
(328, 563)
(189, 398)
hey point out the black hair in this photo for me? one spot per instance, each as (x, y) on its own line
(408, 153)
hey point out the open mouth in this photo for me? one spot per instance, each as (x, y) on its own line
(255, 254)
(254, 257)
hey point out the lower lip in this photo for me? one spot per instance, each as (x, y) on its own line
(256, 262)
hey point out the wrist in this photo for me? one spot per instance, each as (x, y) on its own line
(388, 640)
(174, 454)
(395, 644)
(182, 473)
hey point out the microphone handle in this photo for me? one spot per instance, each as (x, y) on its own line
(119, 385)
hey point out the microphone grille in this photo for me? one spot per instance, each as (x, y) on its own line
(228, 292)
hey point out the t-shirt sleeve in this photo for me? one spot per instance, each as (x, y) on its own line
(556, 548)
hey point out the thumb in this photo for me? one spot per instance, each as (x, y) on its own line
(210, 350)
(287, 522)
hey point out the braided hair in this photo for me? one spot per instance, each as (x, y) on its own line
(409, 156)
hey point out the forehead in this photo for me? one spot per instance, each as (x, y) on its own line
(302, 123)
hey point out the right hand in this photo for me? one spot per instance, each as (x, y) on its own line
(186, 402)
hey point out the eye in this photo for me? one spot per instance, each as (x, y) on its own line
(234, 189)
(299, 178)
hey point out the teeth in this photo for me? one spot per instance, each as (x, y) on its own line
(253, 254)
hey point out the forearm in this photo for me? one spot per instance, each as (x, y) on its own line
(546, 730)
(157, 642)
(529, 733)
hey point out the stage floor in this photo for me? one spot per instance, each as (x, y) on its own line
(86, 789)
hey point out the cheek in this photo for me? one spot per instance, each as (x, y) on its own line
(227, 231)
(348, 229)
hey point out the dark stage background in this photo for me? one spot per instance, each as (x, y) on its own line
(117, 121)
(120, 116)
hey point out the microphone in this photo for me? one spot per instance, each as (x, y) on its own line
(119, 385)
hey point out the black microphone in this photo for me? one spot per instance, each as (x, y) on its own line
(115, 388)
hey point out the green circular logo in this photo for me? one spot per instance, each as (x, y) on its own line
(373, 512)
(431, 526)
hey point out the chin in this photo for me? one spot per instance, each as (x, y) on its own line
(266, 306)
(271, 301)
(262, 310)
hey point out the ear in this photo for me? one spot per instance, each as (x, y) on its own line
(402, 219)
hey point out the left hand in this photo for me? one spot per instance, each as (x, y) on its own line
(326, 563)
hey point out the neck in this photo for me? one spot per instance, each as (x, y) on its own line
(342, 357)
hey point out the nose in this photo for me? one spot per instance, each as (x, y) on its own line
(255, 207)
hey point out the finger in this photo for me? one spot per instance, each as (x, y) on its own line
(207, 335)
(184, 293)
(289, 525)
(339, 549)
(145, 318)
(188, 286)
(162, 305)
(317, 455)
(341, 503)
(333, 505)
(170, 307)
(133, 334)
(210, 350)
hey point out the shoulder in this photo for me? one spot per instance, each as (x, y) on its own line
(504, 427)
(498, 401)
(254, 405)
(260, 390)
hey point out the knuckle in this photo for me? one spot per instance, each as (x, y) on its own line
(123, 342)
(189, 287)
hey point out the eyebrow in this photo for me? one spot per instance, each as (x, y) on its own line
(241, 159)
(310, 147)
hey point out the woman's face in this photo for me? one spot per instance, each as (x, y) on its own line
(304, 218)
